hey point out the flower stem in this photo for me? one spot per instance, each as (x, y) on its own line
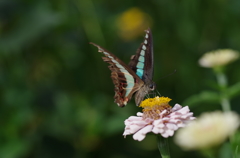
(163, 146)
(222, 82)
(225, 104)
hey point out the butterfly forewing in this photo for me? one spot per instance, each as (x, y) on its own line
(142, 62)
(124, 78)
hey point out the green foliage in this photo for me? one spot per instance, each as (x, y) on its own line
(212, 96)
(203, 97)
(235, 144)
(234, 90)
(225, 151)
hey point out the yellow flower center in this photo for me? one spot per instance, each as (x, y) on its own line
(152, 107)
(150, 102)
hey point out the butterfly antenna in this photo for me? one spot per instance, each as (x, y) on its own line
(154, 94)
(169, 74)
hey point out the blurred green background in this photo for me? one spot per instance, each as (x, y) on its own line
(56, 92)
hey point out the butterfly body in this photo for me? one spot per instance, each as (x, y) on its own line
(135, 78)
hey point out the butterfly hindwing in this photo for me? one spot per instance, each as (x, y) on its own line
(124, 78)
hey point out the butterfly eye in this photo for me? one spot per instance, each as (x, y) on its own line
(152, 86)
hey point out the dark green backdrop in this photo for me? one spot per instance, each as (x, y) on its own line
(57, 94)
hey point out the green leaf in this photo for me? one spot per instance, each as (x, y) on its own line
(233, 90)
(225, 150)
(235, 143)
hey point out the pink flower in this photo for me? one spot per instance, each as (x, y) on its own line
(157, 117)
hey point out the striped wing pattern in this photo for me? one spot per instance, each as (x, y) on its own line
(142, 62)
(124, 78)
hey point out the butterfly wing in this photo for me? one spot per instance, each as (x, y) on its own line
(142, 65)
(142, 62)
(124, 78)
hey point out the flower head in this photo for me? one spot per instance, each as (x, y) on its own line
(218, 58)
(157, 117)
(209, 130)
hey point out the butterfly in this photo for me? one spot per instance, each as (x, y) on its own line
(134, 78)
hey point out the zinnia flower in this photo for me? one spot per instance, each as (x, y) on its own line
(209, 130)
(157, 117)
(218, 58)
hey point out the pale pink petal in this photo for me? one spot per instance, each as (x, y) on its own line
(158, 123)
(171, 126)
(162, 113)
(133, 118)
(140, 123)
(176, 107)
(165, 119)
(186, 116)
(168, 133)
(157, 130)
(148, 120)
(192, 118)
(184, 110)
(165, 135)
(141, 134)
(139, 114)
(175, 121)
(126, 132)
(135, 128)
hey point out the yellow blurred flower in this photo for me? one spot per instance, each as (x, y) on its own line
(209, 130)
(131, 23)
(218, 58)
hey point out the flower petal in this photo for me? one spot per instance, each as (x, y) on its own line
(176, 107)
(139, 114)
(141, 134)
